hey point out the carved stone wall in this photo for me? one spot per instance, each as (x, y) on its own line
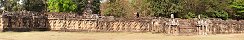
(104, 25)
(73, 22)
(23, 21)
(110, 24)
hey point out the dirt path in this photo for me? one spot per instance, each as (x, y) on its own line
(109, 36)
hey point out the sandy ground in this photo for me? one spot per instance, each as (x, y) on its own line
(110, 36)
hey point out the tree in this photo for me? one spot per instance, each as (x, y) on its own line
(1, 4)
(141, 7)
(157, 8)
(13, 5)
(96, 6)
(62, 6)
(218, 9)
(206, 8)
(117, 8)
(18, 5)
(81, 4)
(35, 5)
(238, 6)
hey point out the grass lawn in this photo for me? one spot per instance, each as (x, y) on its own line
(49, 35)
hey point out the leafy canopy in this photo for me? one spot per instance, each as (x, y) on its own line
(61, 6)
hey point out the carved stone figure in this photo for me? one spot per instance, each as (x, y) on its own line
(202, 26)
(173, 26)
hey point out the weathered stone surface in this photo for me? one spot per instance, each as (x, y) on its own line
(16, 21)
(110, 24)
(23, 21)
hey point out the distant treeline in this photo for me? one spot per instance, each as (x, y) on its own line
(225, 9)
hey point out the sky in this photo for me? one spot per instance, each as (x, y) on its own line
(1, 7)
(103, 1)
(20, 2)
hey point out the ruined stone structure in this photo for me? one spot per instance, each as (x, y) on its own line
(23, 21)
(72, 22)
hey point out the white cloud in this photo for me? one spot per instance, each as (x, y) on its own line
(103, 1)
(2, 8)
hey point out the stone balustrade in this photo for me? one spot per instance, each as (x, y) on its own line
(73, 22)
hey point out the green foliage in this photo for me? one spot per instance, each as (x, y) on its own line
(116, 8)
(12, 5)
(81, 5)
(208, 8)
(142, 7)
(61, 6)
(238, 5)
(29, 5)
(158, 8)
(96, 6)
(189, 15)
(217, 9)
(181, 8)
(218, 14)
(224, 9)
(35, 5)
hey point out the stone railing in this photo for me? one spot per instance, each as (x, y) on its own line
(73, 22)
(110, 24)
